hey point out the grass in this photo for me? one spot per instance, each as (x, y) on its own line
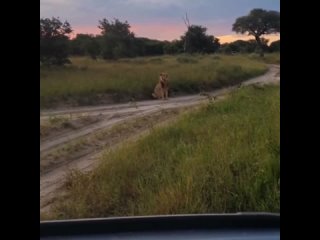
(88, 82)
(269, 58)
(224, 157)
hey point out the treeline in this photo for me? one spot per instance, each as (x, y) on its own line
(117, 41)
(250, 46)
(89, 45)
(98, 46)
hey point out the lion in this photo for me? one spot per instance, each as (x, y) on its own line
(162, 88)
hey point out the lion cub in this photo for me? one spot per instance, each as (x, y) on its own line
(162, 88)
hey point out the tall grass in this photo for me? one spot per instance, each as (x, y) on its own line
(269, 58)
(90, 82)
(221, 158)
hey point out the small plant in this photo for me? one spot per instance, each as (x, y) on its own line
(133, 102)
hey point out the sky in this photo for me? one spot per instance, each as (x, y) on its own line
(157, 19)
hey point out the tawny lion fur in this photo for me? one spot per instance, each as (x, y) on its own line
(162, 88)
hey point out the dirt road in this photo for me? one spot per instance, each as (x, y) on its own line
(87, 155)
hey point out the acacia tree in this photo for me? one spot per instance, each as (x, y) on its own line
(54, 41)
(257, 23)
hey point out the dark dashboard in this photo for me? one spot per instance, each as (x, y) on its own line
(239, 226)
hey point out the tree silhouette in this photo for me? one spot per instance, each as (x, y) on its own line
(257, 23)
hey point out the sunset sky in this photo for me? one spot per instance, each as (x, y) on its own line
(156, 19)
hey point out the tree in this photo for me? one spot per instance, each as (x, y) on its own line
(54, 48)
(275, 46)
(241, 46)
(174, 47)
(118, 39)
(85, 44)
(151, 47)
(216, 44)
(196, 40)
(257, 23)
(79, 45)
(93, 48)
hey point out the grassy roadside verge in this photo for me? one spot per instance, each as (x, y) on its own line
(221, 158)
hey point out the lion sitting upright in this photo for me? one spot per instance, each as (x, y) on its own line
(162, 88)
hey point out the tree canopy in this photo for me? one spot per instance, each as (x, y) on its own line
(54, 41)
(118, 39)
(257, 23)
(197, 40)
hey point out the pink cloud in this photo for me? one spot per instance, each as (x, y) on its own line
(234, 37)
(151, 30)
(85, 30)
(170, 31)
(159, 31)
